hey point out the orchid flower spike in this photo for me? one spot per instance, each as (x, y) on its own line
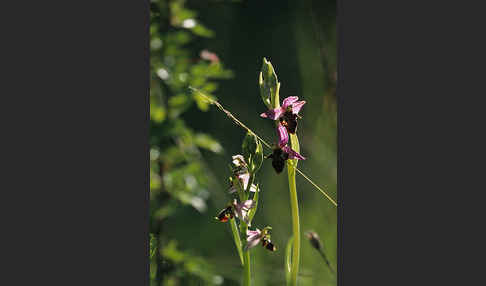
(283, 152)
(287, 114)
(241, 209)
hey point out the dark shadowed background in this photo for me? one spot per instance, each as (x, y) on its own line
(189, 170)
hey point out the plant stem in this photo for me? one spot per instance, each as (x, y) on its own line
(294, 205)
(246, 257)
(247, 271)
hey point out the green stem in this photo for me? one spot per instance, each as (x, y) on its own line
(247, 271)
(294, 205)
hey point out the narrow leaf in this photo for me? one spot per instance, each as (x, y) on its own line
(252, 211)
(236, 237)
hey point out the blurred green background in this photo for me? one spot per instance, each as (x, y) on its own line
(191, 144)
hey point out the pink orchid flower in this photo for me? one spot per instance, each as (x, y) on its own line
(255, 236)
(283, 152)
(287, 114)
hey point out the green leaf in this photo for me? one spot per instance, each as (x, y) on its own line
(249, 146)
(288, 259)
(236, 237)
(269, 85)
(153, 247)
(258, 156)
(252, 211)
(202, 102)
(253, 152)
(178, 104)
(202, 31)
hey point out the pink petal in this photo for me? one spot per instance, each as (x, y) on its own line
(242, 209)
(297, 106)
(248, 204)
(252, 243)
(253, 232)
(273, 114)
(239, 213)
(292, 153)
(244, 179)
(253, 238)
(288, 101)
(283, 137)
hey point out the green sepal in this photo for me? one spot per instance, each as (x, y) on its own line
(253, 152)
(252, 211)
(269, 85)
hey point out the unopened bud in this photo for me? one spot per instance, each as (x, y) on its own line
(314, 240)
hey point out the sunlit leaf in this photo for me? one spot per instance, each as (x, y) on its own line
(253, 210)
(253, 152)
(202, 31)
(236, 238)
(269, 85)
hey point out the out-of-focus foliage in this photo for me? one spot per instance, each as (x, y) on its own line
(178, 176)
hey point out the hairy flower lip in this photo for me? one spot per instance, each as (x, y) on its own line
(225, 214)
(282, 152)
(287, 114)
(283, 140)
